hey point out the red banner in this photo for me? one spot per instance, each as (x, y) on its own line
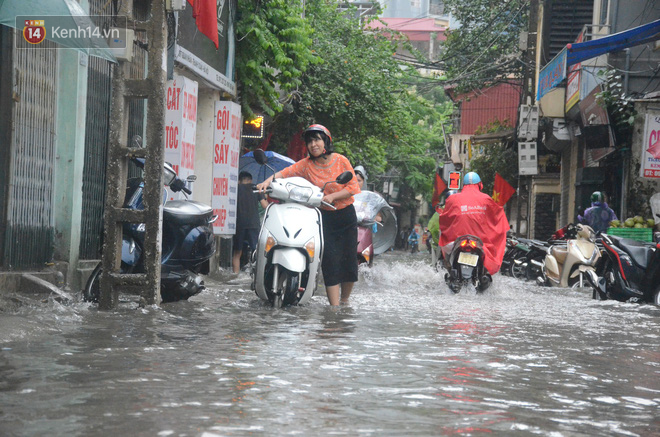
(502, 191)
(439, 187)
(205, 13)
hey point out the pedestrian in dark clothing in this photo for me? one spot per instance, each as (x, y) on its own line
(247, 218)
(599, 215)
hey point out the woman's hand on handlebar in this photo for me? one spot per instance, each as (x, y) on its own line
(264, 185)
(329, 205)
(329, 199)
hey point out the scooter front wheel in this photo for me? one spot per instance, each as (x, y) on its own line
(286, 287)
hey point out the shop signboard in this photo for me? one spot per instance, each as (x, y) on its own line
(650, 159)
(552, 74)
(181, 127)
(573, 81)
(226, 142)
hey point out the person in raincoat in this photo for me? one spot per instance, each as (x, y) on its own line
(475, 213)
(599, 215)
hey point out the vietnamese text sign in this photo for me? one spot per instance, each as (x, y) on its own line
(650, 160)
(226, 143)
(552, 74)
(181, 127)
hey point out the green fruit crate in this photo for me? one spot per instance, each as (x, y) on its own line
(639, 234)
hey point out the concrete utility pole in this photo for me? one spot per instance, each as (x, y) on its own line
(152, 87)
(529, 94)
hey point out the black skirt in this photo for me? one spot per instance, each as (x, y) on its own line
(340, 252)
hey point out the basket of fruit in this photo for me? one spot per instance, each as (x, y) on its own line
(636, 228)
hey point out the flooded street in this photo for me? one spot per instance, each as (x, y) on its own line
(405, 358)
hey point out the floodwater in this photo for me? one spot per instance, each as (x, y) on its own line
(406, 357)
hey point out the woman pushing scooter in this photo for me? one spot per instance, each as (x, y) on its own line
(323, 165)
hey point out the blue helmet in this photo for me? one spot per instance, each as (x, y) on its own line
(471, 178)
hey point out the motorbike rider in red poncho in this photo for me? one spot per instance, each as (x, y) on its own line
(475, 213)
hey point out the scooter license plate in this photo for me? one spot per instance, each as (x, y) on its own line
(468, 259)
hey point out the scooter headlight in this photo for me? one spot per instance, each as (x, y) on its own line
(310, 247)
(270, 243)
(299, 194)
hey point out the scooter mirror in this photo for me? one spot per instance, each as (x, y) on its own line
(344, 178)
(169, 175)
(260, 157)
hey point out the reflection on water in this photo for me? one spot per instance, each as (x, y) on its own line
(407, 357)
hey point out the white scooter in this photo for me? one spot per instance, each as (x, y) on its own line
(569, 265)
(290, 248)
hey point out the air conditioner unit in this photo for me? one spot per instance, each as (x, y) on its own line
(175, 5)
(121, 43)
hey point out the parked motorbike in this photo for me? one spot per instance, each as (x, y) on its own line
(290, 247)
(528, 265)
(630, 272)
(187, 241)
(464, 261)
(567, 265)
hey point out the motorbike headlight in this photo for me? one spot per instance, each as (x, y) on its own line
(299, 194)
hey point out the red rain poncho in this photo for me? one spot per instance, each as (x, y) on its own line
(475, 213)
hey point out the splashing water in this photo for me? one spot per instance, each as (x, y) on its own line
(406, 357)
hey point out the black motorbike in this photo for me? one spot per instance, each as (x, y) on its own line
(464, 262)
(187, 241)
(529, 263)
(630, 271)
(529, 254)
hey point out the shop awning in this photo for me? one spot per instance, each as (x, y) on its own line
(554, 71)
(58, 15)
(579, 52)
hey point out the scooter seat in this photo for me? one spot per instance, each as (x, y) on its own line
(640, 252)
(560, 253)
(186, 212)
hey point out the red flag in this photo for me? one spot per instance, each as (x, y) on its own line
(502, 191)
(439, 187)
(205, 13)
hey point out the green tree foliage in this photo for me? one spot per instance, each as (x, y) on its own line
(273, 49)
(359, 91)
(484, 48)
(344, 76)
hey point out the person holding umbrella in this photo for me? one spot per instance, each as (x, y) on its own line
(340, 270)
(247, 218)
